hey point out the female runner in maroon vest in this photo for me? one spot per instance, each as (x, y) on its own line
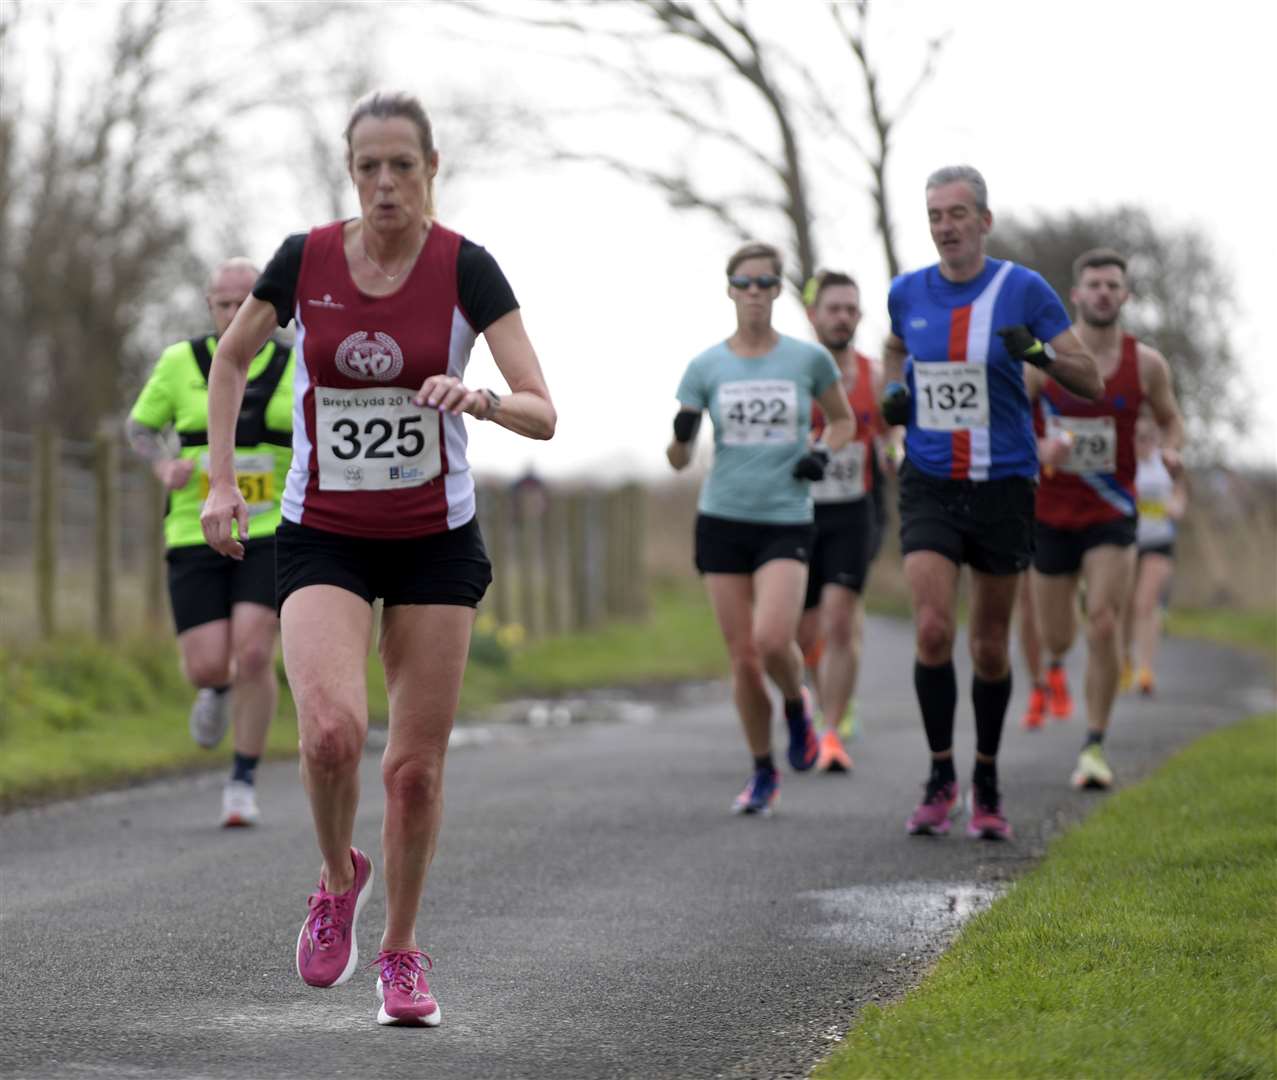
(379, 502)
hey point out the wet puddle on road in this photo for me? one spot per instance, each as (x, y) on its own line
(898, 916)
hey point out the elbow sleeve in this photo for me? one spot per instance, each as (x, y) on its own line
(686, 425)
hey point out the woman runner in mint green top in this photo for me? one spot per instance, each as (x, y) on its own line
(754, 527)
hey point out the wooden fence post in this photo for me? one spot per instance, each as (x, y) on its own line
(153, 550)
(105, 471)
(552, 545)
(636, 529)
(45, 498)
(497, 500)
(528, 527)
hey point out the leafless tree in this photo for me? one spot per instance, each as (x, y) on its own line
(1182, 302)
(750, 102)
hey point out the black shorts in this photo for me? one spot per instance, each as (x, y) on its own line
(1167, 549)
(847, 539)
(1060, 551)
(203, 586)
(726, 546)
(987, 524)
(443, 568)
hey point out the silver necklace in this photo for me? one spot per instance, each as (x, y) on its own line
(381, 269)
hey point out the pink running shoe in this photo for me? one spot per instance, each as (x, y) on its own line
(932, 816)
(403, 991)
(326, 949)
(986, 821)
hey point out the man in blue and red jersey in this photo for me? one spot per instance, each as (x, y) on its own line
(1086, 505)
(962, 332)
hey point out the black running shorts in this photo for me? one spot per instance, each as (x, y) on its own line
(726, 546)
(203, 586)
(443, 568)
(847, 539)
(1060, 551)
(987, 524)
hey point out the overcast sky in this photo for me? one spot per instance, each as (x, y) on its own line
(1078, 104)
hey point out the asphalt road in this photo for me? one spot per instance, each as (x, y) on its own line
(594, 910)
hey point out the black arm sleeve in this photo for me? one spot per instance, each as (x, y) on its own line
(278, 284)
(482, 290)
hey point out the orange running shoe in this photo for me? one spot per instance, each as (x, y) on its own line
(1035, 714)
(1059, 700)
(1144, 682)
(833, 757)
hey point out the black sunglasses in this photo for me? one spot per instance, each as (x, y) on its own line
(743, 281)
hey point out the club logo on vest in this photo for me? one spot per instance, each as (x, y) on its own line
(378, 359)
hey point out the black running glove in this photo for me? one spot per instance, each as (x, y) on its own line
(895, 404)
(1022, 345)
(811, 466)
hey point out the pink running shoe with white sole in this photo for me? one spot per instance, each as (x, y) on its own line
(327, 952)
(986, 820)
(933, 815)
(402, 989)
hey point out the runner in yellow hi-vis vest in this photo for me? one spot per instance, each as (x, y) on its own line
(224, 609)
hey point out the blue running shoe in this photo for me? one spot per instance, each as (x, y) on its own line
(804, 747)
(760, 794)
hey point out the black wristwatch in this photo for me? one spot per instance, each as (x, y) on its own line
(494, 403)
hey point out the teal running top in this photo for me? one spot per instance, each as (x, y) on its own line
(761, 411)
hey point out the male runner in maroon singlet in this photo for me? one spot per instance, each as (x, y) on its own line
(1086, 504)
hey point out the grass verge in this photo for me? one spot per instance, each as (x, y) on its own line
(1252, 630)
(1144, 945)
(75, 715)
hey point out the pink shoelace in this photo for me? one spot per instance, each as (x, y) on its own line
(327, 911)
(401, 968)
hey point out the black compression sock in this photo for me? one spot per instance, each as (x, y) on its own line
(937, 689)
(990, 700)
(942, 770)
(244, 768)
(765, 762)
(795, 710)
(985, 774)
(1093, 738)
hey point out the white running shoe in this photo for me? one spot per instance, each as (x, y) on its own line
(239, 805)
(210, 717)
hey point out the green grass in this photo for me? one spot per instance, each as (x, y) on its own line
(75, 715)
(1144, 945)
(1253, 630)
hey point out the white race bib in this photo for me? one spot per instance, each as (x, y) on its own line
(374, 439)
(1093, 442)
(758, 412)
(951, 396)
(844, 476)
(255, 477)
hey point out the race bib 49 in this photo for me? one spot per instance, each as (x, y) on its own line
(373, 439)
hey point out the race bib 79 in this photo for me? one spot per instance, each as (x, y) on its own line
(1092, 442)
